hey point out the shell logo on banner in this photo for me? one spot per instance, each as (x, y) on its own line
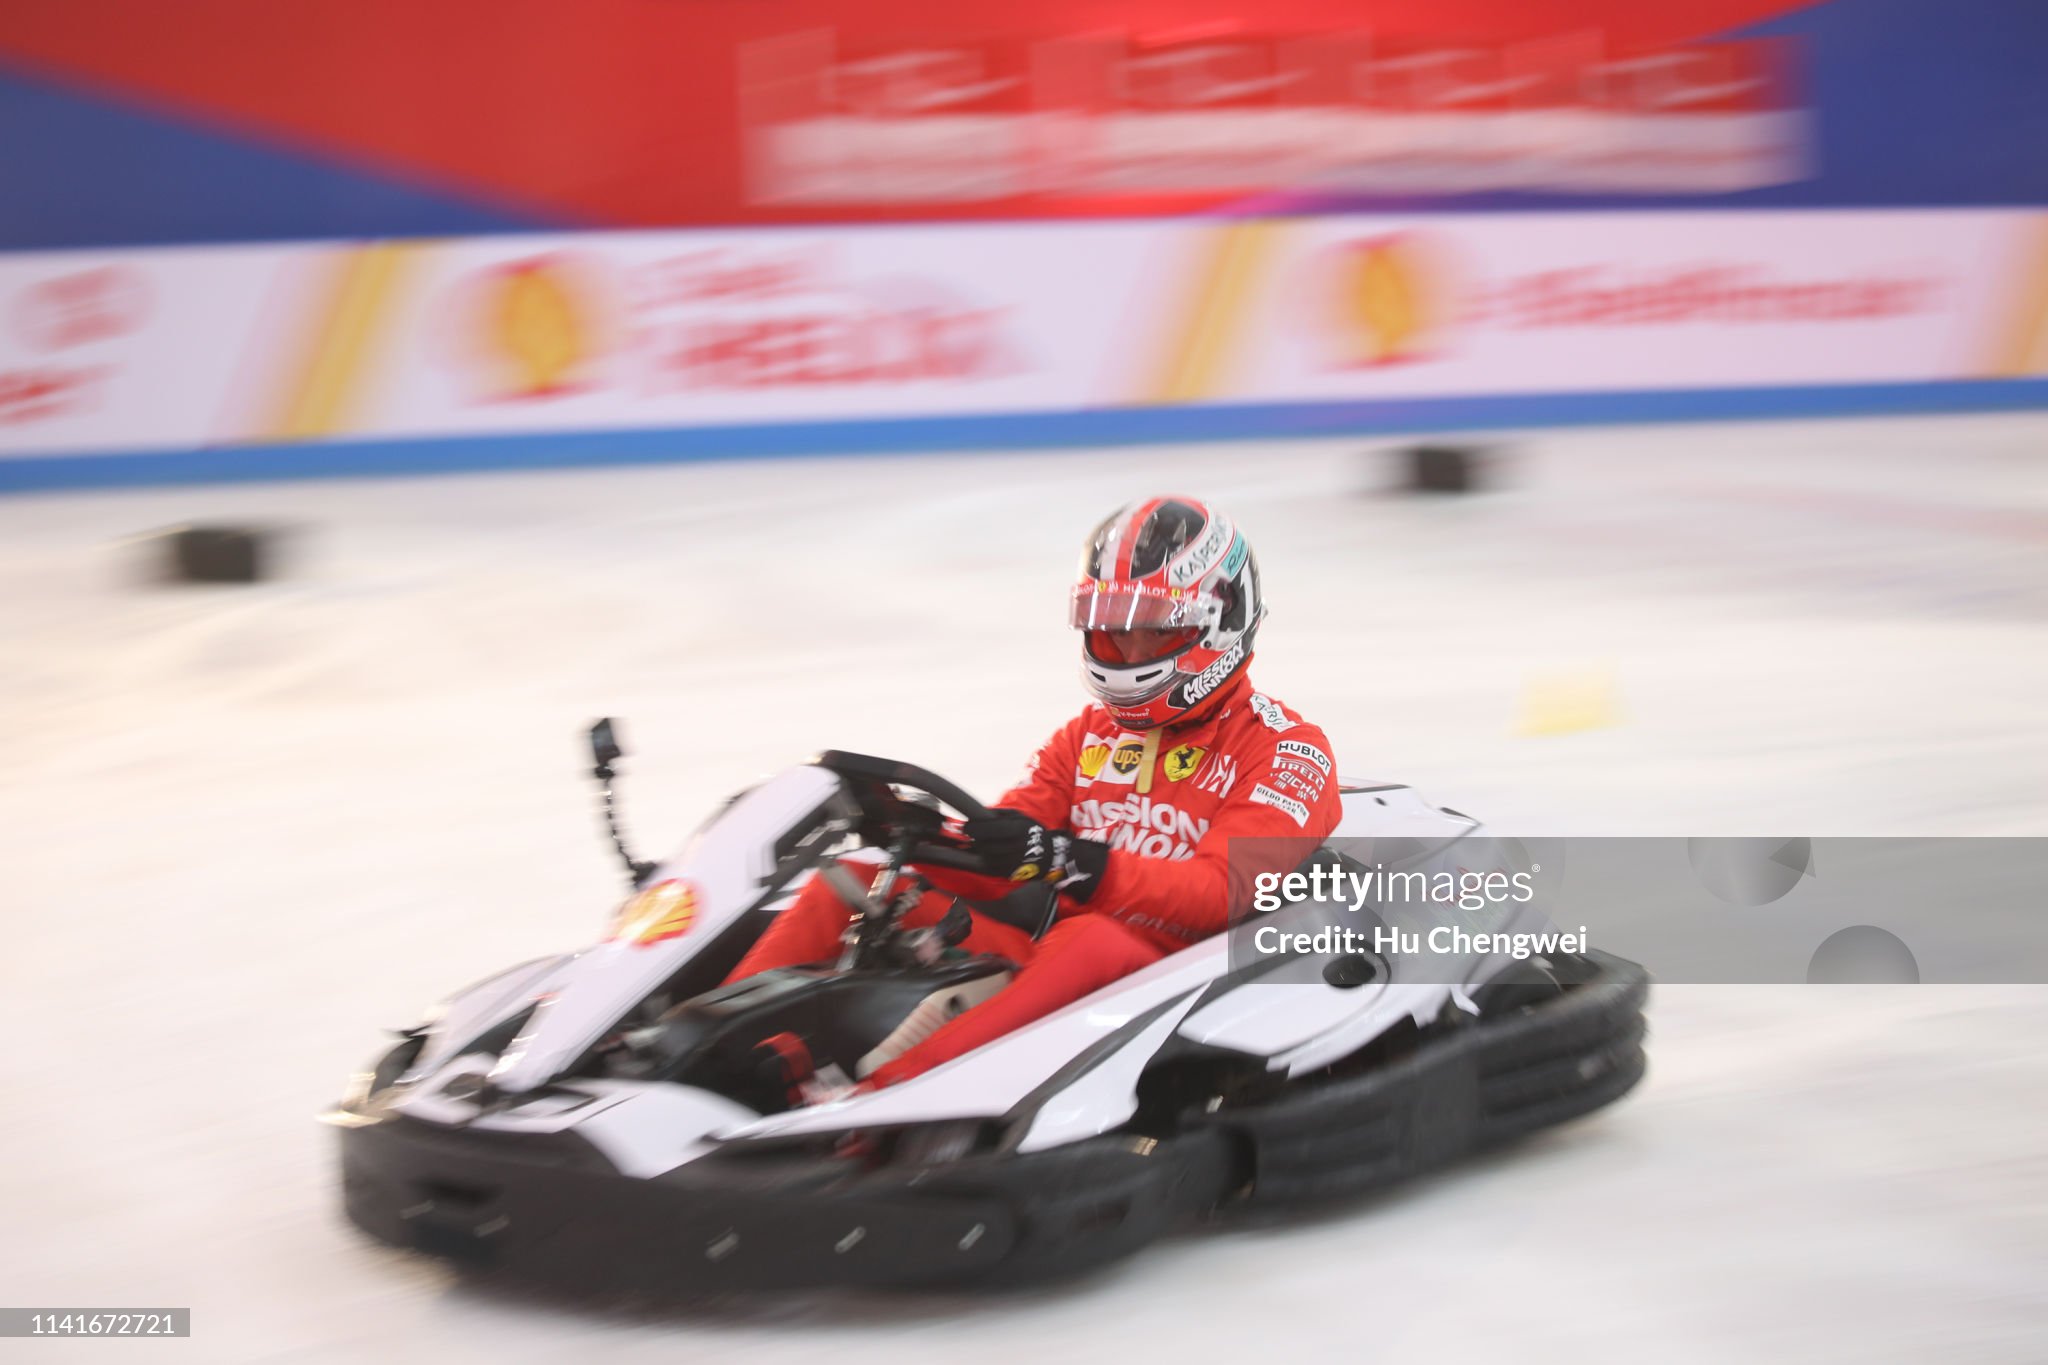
(540, 326)
(663, 911)
(535, 326)
(1388, 300)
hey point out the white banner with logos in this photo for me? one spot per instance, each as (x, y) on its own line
(186, 349)
(1545, 303)
(137, 350)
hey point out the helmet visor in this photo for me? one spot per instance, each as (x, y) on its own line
(1126, 624)
(1122, 648)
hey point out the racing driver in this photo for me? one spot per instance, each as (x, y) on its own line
(1130, 809)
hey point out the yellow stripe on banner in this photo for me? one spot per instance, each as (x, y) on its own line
(2023, 347)
(329, 384)
(1198, 363)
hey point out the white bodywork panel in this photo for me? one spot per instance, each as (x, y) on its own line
(1380, 809)
(1288, 1014)
(460, 1018)
(728, 862)
(1107, 1093)
(993, 1080)
(642, 1128)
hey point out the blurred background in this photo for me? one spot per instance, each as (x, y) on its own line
(1639, 412)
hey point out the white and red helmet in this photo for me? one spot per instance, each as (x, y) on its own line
(1167, 605)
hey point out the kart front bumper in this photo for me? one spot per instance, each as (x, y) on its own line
(554, 1210)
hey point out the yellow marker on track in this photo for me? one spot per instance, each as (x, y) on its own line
(1566, 703)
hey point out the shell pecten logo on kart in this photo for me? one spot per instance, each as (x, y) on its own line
(663, 911)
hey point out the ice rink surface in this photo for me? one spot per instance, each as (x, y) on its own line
(243, 828)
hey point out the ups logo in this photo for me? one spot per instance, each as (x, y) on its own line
(1182, 762)
(1128, 755)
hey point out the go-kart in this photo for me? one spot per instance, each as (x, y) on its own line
(614, 1118)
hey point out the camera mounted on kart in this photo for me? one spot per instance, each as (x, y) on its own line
(604, 747)
(605, 751)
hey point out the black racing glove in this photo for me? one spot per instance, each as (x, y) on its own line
(1011, 844)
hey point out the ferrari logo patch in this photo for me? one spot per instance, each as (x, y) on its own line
(1183, 761)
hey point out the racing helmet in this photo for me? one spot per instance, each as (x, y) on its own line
(1167, 604)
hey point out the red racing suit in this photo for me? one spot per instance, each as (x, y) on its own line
(1169, 807)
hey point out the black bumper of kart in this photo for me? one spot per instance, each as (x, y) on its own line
(553, 1209)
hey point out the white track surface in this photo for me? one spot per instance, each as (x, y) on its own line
(240, 829)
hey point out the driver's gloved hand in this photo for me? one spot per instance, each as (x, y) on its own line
(1011, 844)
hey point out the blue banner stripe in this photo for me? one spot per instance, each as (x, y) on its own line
(1010, 431)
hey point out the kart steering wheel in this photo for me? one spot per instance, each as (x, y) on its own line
(893, 822)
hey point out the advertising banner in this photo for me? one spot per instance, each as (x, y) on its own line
(666, 329)
(985, 333)
(1359, 307)
(133, 350)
